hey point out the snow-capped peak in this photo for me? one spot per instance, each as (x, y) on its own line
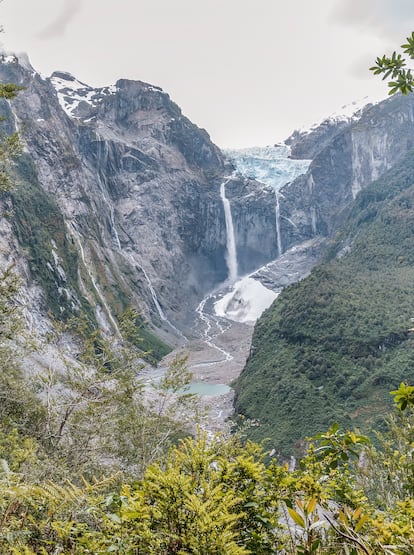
(347, 113)
(63, 80)
(353, 109)
(21, 59)
(72, 93)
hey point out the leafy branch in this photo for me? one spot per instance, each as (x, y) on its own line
(394, 67)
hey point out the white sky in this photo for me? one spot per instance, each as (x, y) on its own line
(248, 71)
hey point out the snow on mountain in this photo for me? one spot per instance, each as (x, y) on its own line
(71, 93)
(271, 165)
(347, 113)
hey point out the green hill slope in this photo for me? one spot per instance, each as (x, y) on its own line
(332, 346)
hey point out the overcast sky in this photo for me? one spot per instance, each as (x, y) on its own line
(249, 71)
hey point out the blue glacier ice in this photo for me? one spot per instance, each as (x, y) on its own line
(271, 165)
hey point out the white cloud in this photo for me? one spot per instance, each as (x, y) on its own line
(59, 25)
(388, 18)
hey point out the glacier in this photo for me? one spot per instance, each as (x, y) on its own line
(273, 166)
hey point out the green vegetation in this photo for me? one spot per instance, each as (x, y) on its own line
(87, 414)
(331, 346)
(135, 330)
(218, 497)
(394, 67)
(40, 229)
(198, 497)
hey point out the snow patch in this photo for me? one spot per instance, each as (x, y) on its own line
(9, 59)
(154, 88)
(71, 92)
(246, 302)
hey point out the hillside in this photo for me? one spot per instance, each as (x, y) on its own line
(332, 346)
(117, 203)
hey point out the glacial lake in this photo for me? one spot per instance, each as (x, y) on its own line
(208, 389)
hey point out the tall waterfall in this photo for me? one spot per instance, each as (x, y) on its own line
(102, 156)
(273, 166)
(231, 252)
(278, 235)
(157, 305)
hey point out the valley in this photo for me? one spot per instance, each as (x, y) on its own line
(122, 203)
(206, 350)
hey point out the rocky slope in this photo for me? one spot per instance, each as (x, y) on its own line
(126, 193)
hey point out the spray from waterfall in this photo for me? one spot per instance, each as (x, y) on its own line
(278, 235)
(231, 252)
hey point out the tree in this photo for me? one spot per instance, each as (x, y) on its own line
(395, 67)
(100, 415)
(9, 144)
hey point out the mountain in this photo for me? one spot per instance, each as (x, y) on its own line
(308, 142)
(118, 203)
(120, 200)
(333, 345)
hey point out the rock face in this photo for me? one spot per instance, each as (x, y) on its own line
(119, 200)
(347, 160)
(135, 191)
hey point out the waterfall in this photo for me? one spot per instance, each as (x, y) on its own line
(16, 121)
(231, 253)
(154, 297)
(73, 231)
(314, 220)
(278, 235)
(101, 158)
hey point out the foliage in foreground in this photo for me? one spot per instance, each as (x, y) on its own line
(218, 497)
(394, 67)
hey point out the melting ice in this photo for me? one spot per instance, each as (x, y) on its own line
(271, 165)
(246, 302)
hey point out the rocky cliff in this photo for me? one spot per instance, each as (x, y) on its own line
(118, 196)
(118, 200)
(346, 159)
